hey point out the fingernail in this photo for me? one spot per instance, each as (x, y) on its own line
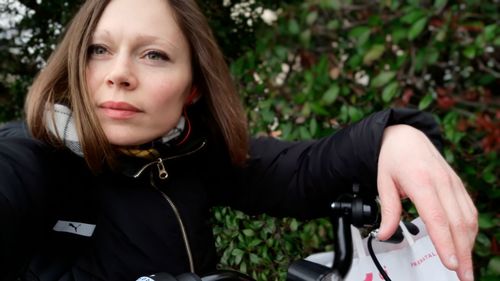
(453, 261)
(469, 276)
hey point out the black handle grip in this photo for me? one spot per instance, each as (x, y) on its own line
(303, 270)
(163, 276)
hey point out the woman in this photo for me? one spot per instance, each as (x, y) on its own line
(139, 132)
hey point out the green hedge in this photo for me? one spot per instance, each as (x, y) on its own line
(325, 64)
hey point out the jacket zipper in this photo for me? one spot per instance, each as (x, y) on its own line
(162, 172)
(181, 224)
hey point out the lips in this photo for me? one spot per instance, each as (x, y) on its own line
(119, 110)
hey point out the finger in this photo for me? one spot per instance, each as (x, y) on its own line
(390, 204)
(469, 225)
(470, 213)
(435, 218)
(468, 209)
(450, 194)
(465, 202)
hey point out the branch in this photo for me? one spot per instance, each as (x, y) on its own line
(488, 70)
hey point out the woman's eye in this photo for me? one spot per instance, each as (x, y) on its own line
(156, 55)
(97, 50)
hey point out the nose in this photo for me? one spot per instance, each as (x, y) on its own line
(122, 75)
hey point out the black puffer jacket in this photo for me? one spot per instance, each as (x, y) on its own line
(61, 222)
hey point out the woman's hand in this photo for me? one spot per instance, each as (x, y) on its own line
(410, 166)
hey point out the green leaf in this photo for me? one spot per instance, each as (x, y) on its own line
(483, 245)
(420, 60)
(313, 126)
(243, 267)
(333, 25)
(304, 133)
(293, 26)
(490, 32)
(375, 21)
(343, 116)
(294, 225)
(494, 266)
(375, 52)
(390, 91)
(254, 259)
(305, 37)
(412, 16)
(426, 101)
(311, 17)
(441, 35)
(469, 52)
(331, 4)
(383, 78)
(238, 255)
(439, 4)
(248, 232)
(449, 156)
(360, 34)
(306, 110)
(355, 61)
(399, 34)
(254, 243)
(489, 177)
(486, 221)
(318, 109)
(281, 52)
(267, 115)
(331, 94)
(355, 114)
(432, 56)
(417, 28)
(496, 42)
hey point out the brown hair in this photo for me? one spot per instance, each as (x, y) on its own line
(63, 80)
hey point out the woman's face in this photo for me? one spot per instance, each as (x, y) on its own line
(139, 71)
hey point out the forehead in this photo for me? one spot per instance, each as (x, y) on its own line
(145, 18)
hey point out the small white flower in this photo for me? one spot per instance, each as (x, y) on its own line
(362, 78)
(269, 16)
(257, 78)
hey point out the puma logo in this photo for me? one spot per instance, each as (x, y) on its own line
(78, 228)
(75, 227)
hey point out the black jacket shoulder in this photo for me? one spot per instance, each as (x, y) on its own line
(24, 199)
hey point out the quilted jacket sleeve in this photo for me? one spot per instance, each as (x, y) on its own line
(301, 179)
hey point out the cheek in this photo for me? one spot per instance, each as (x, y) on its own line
(167, 94)
(91, 80)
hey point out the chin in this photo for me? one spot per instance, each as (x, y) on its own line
(126, 135)
(125, 140)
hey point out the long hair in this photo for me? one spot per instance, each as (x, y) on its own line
(63, 80)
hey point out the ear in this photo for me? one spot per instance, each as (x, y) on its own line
(193, 96)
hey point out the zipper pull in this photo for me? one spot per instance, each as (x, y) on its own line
(162, 172)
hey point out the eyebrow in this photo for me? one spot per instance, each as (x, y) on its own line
(151, 38)
(143, 38)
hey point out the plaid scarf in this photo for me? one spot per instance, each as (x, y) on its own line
(61, 123)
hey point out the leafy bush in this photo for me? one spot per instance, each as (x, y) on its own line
(325, 64)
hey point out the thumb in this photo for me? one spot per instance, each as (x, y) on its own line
(390, 205)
